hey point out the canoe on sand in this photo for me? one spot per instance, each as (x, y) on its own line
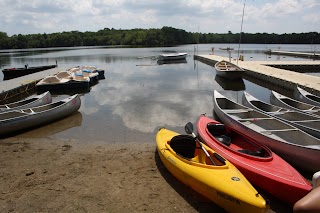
(258, 163)
(222, 183)
(44, 98)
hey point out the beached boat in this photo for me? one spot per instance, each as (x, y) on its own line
(305, 96)
(257, 162)
(292, 144)
(228, 70)
(311, 202)
(306, 122)
(172, 56)
(44, 98)
(11, 73)
(222, 183)
(14, 121)
(63, 81)
(289, 103)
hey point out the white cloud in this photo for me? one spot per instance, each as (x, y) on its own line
(37, 16)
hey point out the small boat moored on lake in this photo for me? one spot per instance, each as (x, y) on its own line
(11, 73)
(305, 96)
(221, 183)
(44, 98)
(258, 163)
(228, 70)
(22, 119)
(172, 56)
(292, 144)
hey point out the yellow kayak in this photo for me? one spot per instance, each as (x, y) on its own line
(222, 183)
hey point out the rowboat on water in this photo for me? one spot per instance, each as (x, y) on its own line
(14, 121)
(305, 96)
(295, 146)
(63, 80)
(289, 103)
(14, 72)
(257, 162)
(222, 183)
(172, 56)
(306, 122)
(93, 76)
(228, 70)
(38, 100)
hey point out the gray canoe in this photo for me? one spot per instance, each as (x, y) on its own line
(289, 103)
(295, 146)
(305, 96)
(306, 122)
(26, 118)
(44, 98)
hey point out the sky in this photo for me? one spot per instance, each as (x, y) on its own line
(205, 16)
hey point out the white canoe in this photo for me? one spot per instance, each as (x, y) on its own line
(14, 121)
(172, 56)
(38, 100)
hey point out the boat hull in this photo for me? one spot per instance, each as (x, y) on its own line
(228, 70)
(269, 172)
(172, 56)
(306, 122)
(32, 117)
(305, 96)
(18, 72)
(38, 100)
(217, 183)
(293, 145)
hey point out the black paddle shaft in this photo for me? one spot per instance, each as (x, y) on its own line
(189, 129)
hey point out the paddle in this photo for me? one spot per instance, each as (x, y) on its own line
(189, 129)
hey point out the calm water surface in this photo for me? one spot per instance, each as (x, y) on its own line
(138, 95)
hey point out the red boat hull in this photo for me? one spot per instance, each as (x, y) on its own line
(269, 172)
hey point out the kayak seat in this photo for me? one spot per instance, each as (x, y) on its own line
(219, 132)
(183, 145)
(259, 153)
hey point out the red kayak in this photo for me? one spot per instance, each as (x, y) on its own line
(257, 162)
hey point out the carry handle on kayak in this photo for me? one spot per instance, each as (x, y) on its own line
(189, 129)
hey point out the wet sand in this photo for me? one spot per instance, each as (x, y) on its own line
(51, 175)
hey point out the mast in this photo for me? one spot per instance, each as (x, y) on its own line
(244, 5)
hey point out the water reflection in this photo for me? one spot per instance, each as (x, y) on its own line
(230, 84)
(138, 96)
(53, 128)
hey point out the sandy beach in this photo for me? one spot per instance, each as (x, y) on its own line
(50, 175)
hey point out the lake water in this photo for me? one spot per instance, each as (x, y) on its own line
(138, 95)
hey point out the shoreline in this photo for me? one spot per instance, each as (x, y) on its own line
(50, 175)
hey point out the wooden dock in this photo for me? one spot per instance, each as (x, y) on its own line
(295, 54)
(267, 72)
(17, 88)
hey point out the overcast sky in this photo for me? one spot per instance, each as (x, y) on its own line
(206, 16)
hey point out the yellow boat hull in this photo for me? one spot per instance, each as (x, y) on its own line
(223, 184)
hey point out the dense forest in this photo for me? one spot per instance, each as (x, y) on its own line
(166, 36)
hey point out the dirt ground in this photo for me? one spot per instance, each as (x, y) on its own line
(49, 175)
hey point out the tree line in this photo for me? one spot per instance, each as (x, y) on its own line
(166, 36)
